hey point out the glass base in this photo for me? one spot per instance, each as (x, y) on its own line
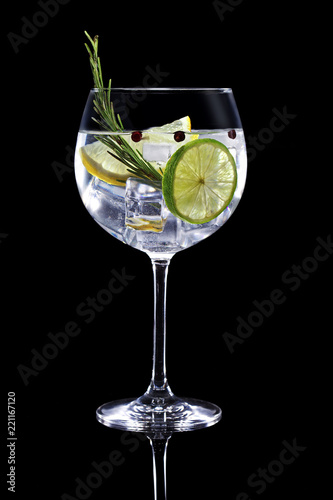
(155, 414)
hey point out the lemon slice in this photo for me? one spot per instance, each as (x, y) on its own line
(98, 161)
(101, 164)
(199, 180)
(165, 133)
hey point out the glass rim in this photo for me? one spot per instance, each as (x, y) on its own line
(221, 90)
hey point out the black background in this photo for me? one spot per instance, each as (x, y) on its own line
(53, 256)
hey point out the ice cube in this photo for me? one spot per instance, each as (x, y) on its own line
(145, 208)
(223, 137)
(158, 152)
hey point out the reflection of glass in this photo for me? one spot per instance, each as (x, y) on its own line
(159, 444)
(134, 211)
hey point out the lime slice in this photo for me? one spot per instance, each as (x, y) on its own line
(101, 164)
(199, 180)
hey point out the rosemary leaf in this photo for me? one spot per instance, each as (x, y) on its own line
(103, 106)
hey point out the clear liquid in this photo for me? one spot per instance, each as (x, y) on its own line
(106, 202)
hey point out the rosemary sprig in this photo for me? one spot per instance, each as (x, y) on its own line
(103, 106)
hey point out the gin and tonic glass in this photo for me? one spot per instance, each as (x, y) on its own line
(156, 122)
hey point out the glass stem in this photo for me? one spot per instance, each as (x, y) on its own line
(159, 447)
(159, 385)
